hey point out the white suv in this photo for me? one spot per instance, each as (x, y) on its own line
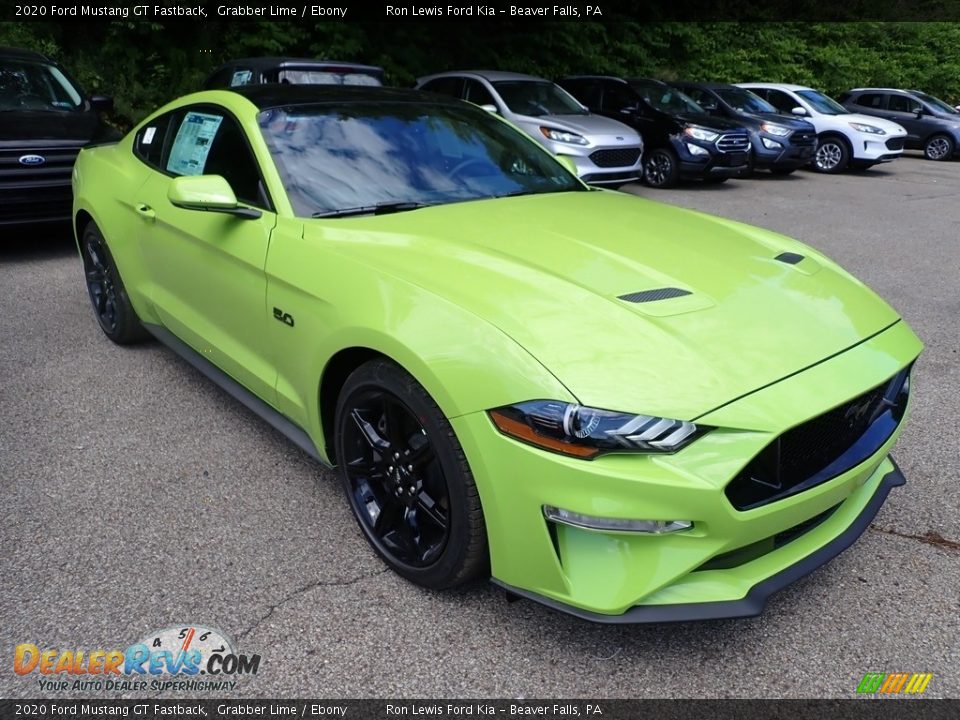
(845, 138)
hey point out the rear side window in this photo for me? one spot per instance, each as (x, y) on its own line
(781, 100)
(585, 91)
(149, 142)
(901, 103)
(618, 97)
(451, 86)
(874, 101)
(477, 93)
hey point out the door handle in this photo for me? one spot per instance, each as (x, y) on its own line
(145, 211)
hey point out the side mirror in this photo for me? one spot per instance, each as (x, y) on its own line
(919, 113)
(568, 163)
(101, 103)
(211, 193)
(490, 108)
(799, 111)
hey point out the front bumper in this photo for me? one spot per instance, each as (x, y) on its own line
(755, 600)
(878, 149)
(599, 165)
(631, 577)
(787, 155)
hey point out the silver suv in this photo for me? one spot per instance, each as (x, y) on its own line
(605, 151)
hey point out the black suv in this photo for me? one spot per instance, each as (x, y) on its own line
(295, 71)
(681, 141)
(931, 124)
(44, 121)
(779, 143)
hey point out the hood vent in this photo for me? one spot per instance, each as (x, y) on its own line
(653, 295)
(789, 258)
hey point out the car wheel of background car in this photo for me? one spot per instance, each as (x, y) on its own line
(939, 147)
(660, 168)
(832, 155)
(407, 479)
(116, 315)
(782, 171)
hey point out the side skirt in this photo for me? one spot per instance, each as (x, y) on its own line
(285, 427)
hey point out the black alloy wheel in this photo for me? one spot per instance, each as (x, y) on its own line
(407, 480)
(112, 306)
(660, 169)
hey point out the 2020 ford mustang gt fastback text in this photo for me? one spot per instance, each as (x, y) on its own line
(626, 410)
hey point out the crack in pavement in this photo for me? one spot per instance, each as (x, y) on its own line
(300, 591)
(928, 538)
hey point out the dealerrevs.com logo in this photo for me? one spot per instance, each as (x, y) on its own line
(190, 657)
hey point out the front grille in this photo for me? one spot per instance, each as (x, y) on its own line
(822, 448)
(733, 143)
(803, 138)
(895, 144)
(734, 159)
(29, 192)
(619, 157)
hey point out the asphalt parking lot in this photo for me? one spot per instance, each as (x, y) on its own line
(135, 495)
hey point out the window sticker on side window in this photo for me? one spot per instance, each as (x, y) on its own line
(241, 77)
(148, 135)
(188, 156)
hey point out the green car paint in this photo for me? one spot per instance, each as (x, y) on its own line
(498, 301)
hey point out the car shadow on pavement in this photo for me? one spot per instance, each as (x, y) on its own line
(37, 242)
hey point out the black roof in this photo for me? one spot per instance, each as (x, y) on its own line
(277, 95)
(261, 63)
(704, 85)
(21, 54)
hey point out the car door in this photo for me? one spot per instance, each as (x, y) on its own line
(207, 268)
(903, 109)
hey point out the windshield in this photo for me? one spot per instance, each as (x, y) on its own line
(28, 85)
(745, 101)
(666, 99)
(327, 77)
(362, 155)
(538, 98)
(938, 104)
(821, 103)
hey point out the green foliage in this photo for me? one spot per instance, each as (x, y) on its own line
(143, 65)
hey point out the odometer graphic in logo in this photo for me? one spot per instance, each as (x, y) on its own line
(191, 650)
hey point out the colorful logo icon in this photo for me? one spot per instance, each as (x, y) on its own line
(899, 683)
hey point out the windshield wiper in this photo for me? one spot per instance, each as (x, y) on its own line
(384, 208)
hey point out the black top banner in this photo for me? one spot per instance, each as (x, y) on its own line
(606, 11)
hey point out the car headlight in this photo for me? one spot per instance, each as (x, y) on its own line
(774, 129)
(700, 133)
(563, 136)
(869, 129)
(585, 432)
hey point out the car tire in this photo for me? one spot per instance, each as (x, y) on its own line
(407, 479)
(661, 169)
(939, 147)
(782, 171)
(111, 304)
(832, 155)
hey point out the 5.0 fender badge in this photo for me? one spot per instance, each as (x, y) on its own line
(32, 159)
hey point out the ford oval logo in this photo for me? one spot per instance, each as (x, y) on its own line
(32, 160)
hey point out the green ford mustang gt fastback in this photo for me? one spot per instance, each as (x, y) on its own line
(625, 410)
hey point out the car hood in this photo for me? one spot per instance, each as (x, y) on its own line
(31, 126)
(709, 121)
(587, 125)
(790, 121)
(549, 270)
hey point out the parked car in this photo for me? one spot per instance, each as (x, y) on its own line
(624, 409)
(844, 138)
(605, 152)
(931, 124)
(45, 118)
(295, 71)
(778, 143)
(682, 141)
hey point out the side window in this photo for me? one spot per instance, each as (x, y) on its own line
(241, 76)
(901, 103)
(476, 93)
(701, 97)
(781, 101)
(874, 101)
(617, 97)
(209, 142)
(148, 145)
(588, 93)
(445, 86)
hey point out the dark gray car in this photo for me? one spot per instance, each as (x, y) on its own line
(931, 124)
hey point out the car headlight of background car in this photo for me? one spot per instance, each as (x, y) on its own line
(700, 133)
(774, 129)
(869, 129)
(563, 136)
(584, 432)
